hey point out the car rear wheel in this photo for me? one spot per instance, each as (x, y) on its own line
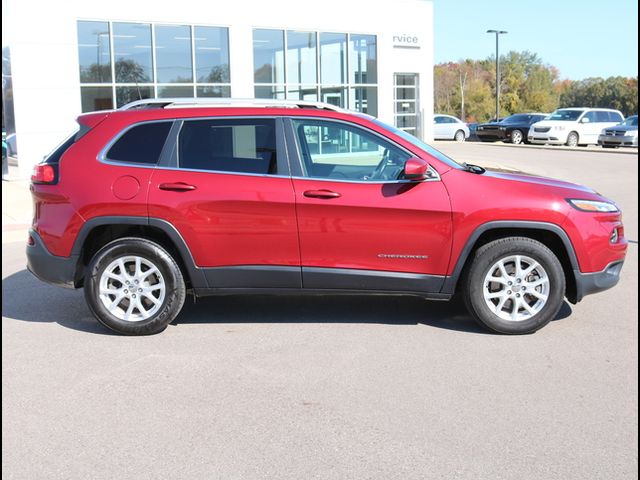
(514, 285)
(459, 136)
(134, 287)
(517, 137)
(572, 139)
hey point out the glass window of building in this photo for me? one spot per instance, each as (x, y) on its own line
(268, 56)
(212, 54)
(173, 54)
(363, 62)
(126, 95)
(150, 61)
(175, 91)
(335, 68)
(213, 91)
(94, 52)
(333, 58)
(96, 98)
(132, 52)
(301, 58)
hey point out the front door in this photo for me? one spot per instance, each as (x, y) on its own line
(361, 226)
(230, 196)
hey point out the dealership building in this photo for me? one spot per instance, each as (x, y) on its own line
(64, 58)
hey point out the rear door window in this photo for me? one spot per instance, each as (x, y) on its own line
(229, 145)
(603, 117)
(140, 144)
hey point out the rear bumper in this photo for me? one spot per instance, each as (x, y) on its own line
(50, 268)
(588, 283)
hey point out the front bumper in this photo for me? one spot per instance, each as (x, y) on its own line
(491, 134)
(616, 141)
(50, 268)
(588, 283)
(552, 137)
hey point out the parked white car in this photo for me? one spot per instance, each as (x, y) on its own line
(448, 127)
(573, 126)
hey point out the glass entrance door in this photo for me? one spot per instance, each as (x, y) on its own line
(407, 102)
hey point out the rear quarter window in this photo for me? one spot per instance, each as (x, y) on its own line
(140, 144)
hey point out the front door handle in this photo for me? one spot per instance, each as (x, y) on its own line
(177, 187)
(321, 194)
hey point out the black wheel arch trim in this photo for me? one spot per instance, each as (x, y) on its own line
(196, 274)
(450, 283)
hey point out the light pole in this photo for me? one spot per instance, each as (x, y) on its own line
(498, 33)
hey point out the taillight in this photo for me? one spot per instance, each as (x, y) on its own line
(44, 173)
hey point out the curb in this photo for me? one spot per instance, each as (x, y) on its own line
(563, 148)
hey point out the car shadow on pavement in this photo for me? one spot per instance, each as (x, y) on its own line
(27, 299)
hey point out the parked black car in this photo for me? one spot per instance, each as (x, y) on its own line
(512, 129)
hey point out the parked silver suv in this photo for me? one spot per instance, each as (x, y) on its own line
(623, 135)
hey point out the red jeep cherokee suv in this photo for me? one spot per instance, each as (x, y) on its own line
(167, 197)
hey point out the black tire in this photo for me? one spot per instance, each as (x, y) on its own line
(572, 139)
(175, 290)
(459, 136)
(517, 137)
(473, 284)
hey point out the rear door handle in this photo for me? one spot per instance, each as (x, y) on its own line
(321, 194)
(177, 187)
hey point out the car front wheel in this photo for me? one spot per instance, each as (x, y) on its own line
(514, 285)
(517, 137)
(133, 286)
(572, 139)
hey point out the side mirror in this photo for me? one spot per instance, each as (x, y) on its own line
(416, 169)
(585, 120)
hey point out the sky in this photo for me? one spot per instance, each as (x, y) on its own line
(582, 38)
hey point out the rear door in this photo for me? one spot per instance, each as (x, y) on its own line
(228, 192)
(362, 226)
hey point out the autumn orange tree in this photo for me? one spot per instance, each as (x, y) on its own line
(466, 88)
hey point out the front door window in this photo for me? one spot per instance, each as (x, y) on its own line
(334, 150)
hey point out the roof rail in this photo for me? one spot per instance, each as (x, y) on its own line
(225, 102)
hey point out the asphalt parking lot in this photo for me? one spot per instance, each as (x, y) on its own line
(329, 387)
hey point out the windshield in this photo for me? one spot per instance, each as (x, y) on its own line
(418, 143)
(565, 115)
(519, 118)
(631, 121)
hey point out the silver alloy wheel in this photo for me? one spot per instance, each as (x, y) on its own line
(459, 137)
(572, 140)
(132, 288)
(516, 288)
(516, 137)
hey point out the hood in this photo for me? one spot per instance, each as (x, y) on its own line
(490, 124)
(542, 181)
(624, 128)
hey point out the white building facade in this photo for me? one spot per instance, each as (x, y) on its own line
(79, 56)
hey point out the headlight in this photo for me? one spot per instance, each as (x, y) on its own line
(502, 128)
(592, 206)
